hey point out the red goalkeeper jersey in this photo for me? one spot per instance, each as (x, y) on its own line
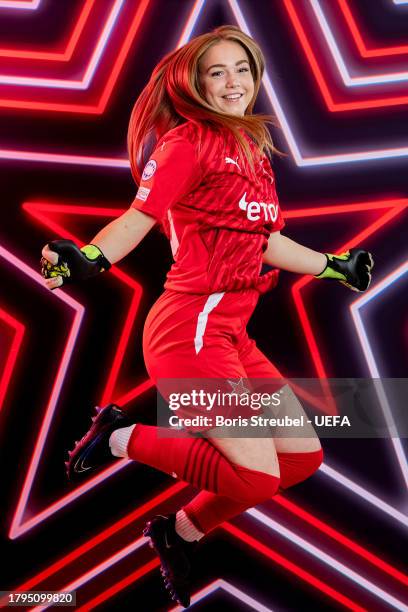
(218, 213)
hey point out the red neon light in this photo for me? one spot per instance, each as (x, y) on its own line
(18, 526)
(89, 109)
(119, 586)
(87, 546)
(292, 567)
(126, 521)
(395, 207)
(19, 330)
(39, 211)
(61, 56)
(331, 104)
(358, 39)
(340, 538)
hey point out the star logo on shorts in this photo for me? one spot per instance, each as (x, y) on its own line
(239, 387)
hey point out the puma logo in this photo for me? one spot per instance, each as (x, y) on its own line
(229, 160)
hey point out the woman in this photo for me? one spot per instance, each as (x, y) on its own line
(210, 184)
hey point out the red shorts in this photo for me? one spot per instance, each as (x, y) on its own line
(189, 336)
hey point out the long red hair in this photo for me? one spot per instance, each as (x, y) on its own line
(173, 96)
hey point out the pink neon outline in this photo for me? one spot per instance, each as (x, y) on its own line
(139, 542)
(19, 330)
(300, 161)
(64, 363)
(326, 94)
(324, 557)
(84, 83)
(358, 39)
(395, 207)
(52, 56)
(18, 527)
(389, 279)
(224, 585)
(28, 5)
(99, 108)
(74, 237)
(348, 80)
(46, 208)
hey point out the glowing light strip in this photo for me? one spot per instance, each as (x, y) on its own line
(119, 586)
(19, 330)
(63, 367)
(42, 212)
(327, 559)
(63, 56)
(374, 371)
(98, 569)
(65, 360)
(37, 210)
(400, 2)
(61, 158)
(320, 79)
(366, 496)
(359, 42)
(348, 80)
(300, 161)
(99, 107)
(224, 585)
(295, 569)
(125, 522)
(18, 527)
(394, 208)
(339, 538)
(190, 24)
(90, 71)
(277, 558)
(294, 149)
(30, 5)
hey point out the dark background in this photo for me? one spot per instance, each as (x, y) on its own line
(267, 567)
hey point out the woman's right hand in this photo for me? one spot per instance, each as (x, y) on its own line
(49, 262)
(63, 262)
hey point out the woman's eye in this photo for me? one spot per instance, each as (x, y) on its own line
(216, 73)
(244, 69)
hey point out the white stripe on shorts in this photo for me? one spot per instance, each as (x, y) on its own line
(211, 303)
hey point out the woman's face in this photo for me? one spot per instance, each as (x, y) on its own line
(226, 79)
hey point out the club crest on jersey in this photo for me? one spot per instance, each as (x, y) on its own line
(255, 210)
(149, 170)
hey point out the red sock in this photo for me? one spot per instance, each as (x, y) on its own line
(198, 462)
(206, 511)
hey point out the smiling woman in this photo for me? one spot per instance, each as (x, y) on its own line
(210, 184)
(225, 78)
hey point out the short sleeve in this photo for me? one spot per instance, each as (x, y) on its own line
(171, 173)
(279, 223)
(278, 220)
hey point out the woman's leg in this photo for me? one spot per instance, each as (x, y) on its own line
(298, 458)
(202, 464)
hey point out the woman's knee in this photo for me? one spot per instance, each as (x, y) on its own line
(254, 486)
(297, 467)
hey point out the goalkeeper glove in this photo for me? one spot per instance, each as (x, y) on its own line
(74, 264)
(352, 269)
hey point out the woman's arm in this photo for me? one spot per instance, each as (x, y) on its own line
(287, 254)
(122, 235)
(115, 240)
